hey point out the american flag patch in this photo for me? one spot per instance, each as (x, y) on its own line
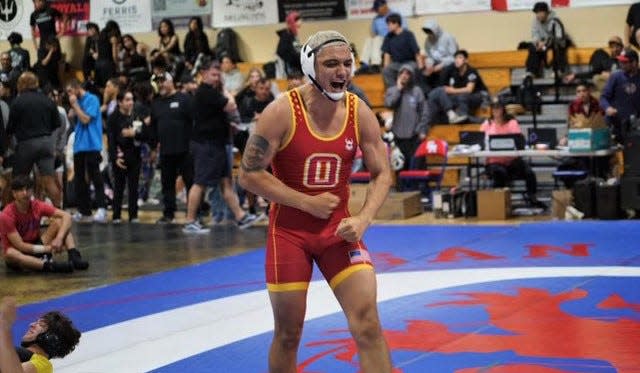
(359, 256)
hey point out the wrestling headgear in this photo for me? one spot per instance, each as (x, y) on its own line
(308, 58)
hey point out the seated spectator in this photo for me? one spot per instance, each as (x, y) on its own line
(584, 112)
(548, 34)
(601, 64)
(169, 46)
(294, 81)
(51, 336)
(462, 93)
(134, 60)
(196, 43)
(371, 56)
(399, 48)
(25, 247)
(502, 170)
(232, 77)
(289, 45)
(440, 48)
(20, 58)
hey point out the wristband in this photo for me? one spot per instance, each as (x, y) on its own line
(38, 249)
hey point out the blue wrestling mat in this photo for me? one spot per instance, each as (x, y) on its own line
(542, 297)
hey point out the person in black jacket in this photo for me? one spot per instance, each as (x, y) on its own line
(126, 133)
(90, 51)
(196, 43)
(32, 118)
(172, 121)
(288, 45)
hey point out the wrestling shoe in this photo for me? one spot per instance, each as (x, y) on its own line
(76, 260)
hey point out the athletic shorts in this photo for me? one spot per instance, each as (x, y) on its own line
(38, 151)
(292, 252)
(210, 163)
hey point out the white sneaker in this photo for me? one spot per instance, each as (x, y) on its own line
(455, 117)
(195, 228)
(100, 216)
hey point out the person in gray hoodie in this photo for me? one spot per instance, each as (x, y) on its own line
(409, 106)
(547, 33)
(440, 47)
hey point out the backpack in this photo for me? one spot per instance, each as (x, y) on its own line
(227, 44)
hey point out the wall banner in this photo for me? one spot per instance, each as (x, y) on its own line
(131, 15)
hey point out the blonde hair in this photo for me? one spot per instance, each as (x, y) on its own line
(27, 81)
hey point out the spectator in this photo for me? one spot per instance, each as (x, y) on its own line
(32, 120)
(601, 65)
(48, 66)
(51, 336)
(371, 56)
(548, 34)
(143, 96)
(440, 48)
(43, 22)
(399, 48)
(208, 145)
(584, 112)
(20, 58)
(231, 76)
(134, 61)
(632, 29)
(462, 93)
(288, 44)
(109, 101)
(169, 46)
(24, 246)
(409, 124)
(90, 53)
(126, 132)
(108, 47)
(87, 145)
(196, 44)
(59, 137)
(8, 73)
(502, 170)
(621, 94)
(172, 121)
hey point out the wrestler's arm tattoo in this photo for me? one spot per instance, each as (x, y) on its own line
(254, 154)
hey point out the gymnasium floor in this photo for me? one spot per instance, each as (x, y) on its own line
(531, 297)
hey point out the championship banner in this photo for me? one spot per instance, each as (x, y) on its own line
(447, 6)
(131, 15)
(231, 13)
(180, 11)
(362, 9)
(316, 10)
(14, 16)
(76, 13)
(507, 5)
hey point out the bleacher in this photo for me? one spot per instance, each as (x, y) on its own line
(499, 70)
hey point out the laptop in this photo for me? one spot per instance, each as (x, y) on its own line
(547, 136)
(471, 138)
(511, 141)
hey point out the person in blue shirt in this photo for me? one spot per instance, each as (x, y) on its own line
(87, 145)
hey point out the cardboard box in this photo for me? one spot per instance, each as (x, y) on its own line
(588, 139)
(561, 199)
(398, 205)
(494, 204)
